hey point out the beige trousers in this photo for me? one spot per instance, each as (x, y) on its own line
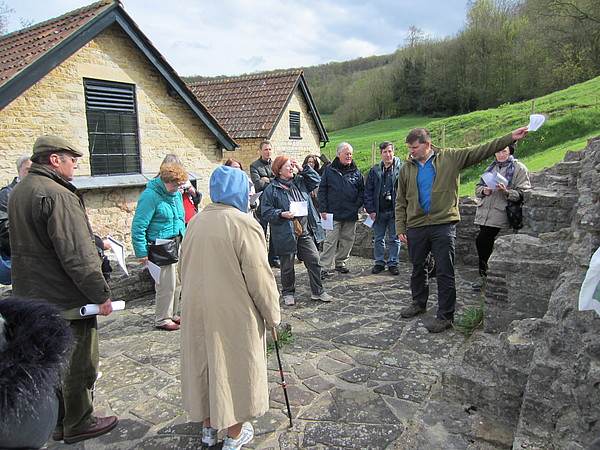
(338, 243)
(168, 292)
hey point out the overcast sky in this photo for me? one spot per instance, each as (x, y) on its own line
(232, 37)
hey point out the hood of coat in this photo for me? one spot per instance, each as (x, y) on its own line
(230, 186)
(34, 350)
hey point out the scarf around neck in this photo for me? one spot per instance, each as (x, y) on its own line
(510, 171)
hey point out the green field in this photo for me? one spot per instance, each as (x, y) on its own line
(573, 115)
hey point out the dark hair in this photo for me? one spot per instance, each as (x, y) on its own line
(265, 142)
(386, 144)
(511, 148)
(230, 161)
(418, 134)
(315, 158)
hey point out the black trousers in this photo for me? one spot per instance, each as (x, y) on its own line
(485, 246)
(440, 240)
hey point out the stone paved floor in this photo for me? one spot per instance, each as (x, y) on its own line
(359, 376)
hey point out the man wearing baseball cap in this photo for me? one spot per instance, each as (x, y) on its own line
(54, 257)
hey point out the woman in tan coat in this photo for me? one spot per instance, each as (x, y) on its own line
(491, 206)
(229, 294)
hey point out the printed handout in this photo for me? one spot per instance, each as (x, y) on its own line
(535, 122)
(300, 209)
(327, 223)
(492, 179)
(369, 222)
(119, 251)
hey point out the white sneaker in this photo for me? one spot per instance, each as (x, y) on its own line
(324, 297)
(209, 436)
(246, 436)
(289, 300)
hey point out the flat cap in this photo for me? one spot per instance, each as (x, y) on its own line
(51, 143)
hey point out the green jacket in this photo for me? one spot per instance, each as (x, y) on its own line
(444, 192)
(54, 256)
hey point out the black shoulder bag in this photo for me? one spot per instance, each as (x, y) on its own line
(514, 211)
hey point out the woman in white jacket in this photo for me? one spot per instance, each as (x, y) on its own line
(491, 207)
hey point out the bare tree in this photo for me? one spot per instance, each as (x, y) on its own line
(5, 13)
(414, 36)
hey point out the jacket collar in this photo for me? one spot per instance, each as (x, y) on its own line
(42, 170)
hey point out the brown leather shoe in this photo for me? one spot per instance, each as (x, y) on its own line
(414, 309)
(438, 325)
(100, 426)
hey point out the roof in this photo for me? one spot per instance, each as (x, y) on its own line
(29, 54)
(251, 106)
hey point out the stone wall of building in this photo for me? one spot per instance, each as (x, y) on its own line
(56, 105)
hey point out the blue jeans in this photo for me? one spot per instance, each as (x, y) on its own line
(385, 221)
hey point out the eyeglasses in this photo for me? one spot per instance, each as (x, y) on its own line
(73, 158)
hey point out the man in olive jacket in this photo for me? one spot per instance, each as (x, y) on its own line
(427, 214)
(54, 257)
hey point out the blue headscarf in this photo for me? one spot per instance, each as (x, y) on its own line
(229, 185)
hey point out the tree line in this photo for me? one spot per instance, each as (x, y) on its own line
(508, 51)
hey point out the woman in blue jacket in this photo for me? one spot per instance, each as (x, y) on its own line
(160, 215)
(290, 233)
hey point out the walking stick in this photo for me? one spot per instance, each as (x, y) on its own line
(283, 385)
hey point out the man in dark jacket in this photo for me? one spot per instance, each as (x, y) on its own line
(380, 200)
(23, 163)
(54, 258)
(341, 193)
(261, 176)
(427, 214)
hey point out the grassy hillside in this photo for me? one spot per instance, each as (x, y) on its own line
(573, 115)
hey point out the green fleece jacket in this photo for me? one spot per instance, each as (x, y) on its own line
(444, 191)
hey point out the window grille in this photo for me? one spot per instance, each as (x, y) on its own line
(112, 127)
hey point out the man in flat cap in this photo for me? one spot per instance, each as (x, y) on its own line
(54, 257)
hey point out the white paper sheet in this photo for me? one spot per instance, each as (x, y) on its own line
(327, 224)
(535, 122)
(119, 251)
(300, 209)
(255, 197)
(92, 309)
(369, 222)
(154, 271)
(493, 178)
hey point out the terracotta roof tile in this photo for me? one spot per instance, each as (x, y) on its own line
(248, 106)
(21, 48)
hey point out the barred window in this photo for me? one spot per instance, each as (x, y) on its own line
(294, 125)
(112, 127)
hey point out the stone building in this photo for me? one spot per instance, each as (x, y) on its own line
(276, 106)
(92, 77)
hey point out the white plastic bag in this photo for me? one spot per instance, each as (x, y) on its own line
(589, 296)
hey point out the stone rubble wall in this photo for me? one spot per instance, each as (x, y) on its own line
(533, 373)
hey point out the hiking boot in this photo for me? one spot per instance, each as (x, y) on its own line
(209, 436)
(393, 270)
(414, 309)
(438, 325)
(479, 284)
(99, 426)
(342, 269)
(377, 269)
(246, 436)
(289, 300)
(324, 274)
(324, 297)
